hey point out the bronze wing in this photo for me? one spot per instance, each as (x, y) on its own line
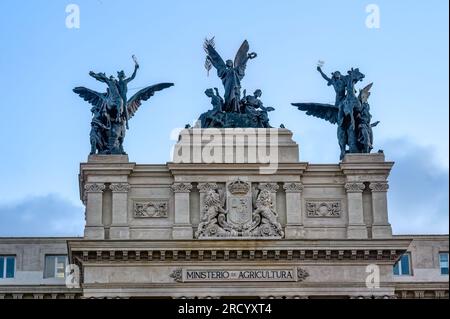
(240, 60)
(91, 96)
(143, 95)
(327, 112)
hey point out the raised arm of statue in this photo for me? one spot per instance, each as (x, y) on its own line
(131, 78)
(323, 75)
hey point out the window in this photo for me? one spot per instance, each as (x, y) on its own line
(443, 263)
(7, 266)
(55, 266)
(403, 266)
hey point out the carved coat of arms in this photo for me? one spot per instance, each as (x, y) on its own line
(241, 217)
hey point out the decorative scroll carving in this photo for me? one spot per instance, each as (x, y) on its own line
(177, 275)
(150, 209)
(94, 188)
(205, 187)
(302, 274)
(323, 208)
(119, 187)
(271, 187)
(293, 187)
(181, 187)
(354, 187)
(238, 187)
(379, 186)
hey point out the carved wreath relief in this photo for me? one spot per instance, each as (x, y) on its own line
(323, 208)
(150, 209)
(237, 212)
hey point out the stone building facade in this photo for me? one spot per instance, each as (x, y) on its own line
(236, 214)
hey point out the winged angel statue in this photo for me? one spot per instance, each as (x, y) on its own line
(231, 73)
(111, 110)
(350, 112)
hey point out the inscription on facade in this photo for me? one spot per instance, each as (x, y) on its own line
(202, 275)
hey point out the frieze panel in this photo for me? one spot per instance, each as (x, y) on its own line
(316, 208)
(150, 209)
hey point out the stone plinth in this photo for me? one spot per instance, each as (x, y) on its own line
(235, 145)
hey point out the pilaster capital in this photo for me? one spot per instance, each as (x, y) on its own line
(119, 187)
(181, 187)
(379, 186)
(206, 187)
(94, 187)
(354, 187)
(271, 187)
(293, 187)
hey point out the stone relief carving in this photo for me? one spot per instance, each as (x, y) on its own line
(302, 274)
(181, 187)
(177, 275)
(150, 209)
(323, 208)
(293, 187)
(238, 216)
(379, 186)
(354, 187)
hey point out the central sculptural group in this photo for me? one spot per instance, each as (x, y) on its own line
(111, 110)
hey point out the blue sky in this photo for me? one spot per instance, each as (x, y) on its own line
(45, 130)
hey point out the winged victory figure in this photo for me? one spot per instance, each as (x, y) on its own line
(111, 110)
(350, 113)
(231, 73)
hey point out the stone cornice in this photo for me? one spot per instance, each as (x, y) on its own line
(178, 250)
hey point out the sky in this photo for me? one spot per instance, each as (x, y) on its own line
(45, 132)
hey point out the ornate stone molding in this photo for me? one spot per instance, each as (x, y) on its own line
(94, 188)
(205, 187)
(119, 187)
(302, 274)
(271, 187)
(354, 187)
(150, 209)
(379, 186)
(323, 208)
(177, 275)
(293, 187)
(181, 187)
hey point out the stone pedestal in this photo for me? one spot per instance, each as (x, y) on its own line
(239, 145)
